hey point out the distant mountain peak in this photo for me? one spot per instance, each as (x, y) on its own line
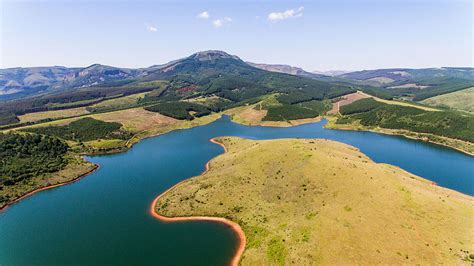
(287, 69)
(213, 55)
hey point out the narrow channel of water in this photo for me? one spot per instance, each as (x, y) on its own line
(103, 218)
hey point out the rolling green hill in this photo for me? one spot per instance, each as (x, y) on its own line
(460, 100)
(370, 113)
(414, 84)
(213, 81)
(204, 74)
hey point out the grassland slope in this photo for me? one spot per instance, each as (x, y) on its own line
(311, 202)
(461, 100)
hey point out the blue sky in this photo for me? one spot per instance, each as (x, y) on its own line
(315, 35)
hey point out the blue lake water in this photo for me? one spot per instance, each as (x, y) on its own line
(104, 219)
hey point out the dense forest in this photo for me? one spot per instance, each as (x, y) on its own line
(84, 129)
(360, 106)
(289, 112)
(24, 156)
(309, 109)
(442, 123)
(180, 110)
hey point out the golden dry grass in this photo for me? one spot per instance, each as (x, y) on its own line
(252, 116)
(32, 117)
(308, 202)
(247, 115)
(382, 80)
(120, 102)
(136, 119)
(347, 99)
(409, 85)
(402, 103)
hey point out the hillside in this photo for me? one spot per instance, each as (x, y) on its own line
(460, 100)
(346, 199)
(212, 82)
(21, 82)
(286, 69)
(221, 80)
(415, 84)
(407, 74)
(412, 84)
(444, 127)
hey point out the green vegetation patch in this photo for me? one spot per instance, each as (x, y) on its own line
(447, 124)
(276, 251)
(25, 156)
(85, 129)
(7, 118)
(318, 106)
(360, 106)
(180, 110)
(289, 112)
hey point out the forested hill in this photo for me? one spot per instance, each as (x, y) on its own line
(213, 81)
(216, 72)
(204, 74)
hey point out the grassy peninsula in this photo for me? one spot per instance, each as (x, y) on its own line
(309, 202)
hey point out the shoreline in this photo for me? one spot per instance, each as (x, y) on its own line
(332, 127)
(34, 191)
(96, 167)
(348, 127)
(232, 225)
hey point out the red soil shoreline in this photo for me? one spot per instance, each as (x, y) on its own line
(50, 186)
(232, 225)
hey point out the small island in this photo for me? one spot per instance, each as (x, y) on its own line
(319, 201)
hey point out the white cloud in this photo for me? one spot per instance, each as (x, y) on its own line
(221, 22)
(151, 28)
(290, 13)
(204, 15)
(218, 23)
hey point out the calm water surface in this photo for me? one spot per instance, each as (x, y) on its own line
(103, 218)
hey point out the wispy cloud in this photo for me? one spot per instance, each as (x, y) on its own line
(290, 13)
(151, 28)
(204, 15)
(221, 22)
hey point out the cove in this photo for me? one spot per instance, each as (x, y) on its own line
(104, 219)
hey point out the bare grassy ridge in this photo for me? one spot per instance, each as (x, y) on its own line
(461, 100)
(117, 103)
(310, 202)
(32, 117)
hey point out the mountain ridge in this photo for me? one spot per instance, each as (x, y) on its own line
(22, 82)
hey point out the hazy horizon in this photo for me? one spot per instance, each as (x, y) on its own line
(316, 36)
(161, 63)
